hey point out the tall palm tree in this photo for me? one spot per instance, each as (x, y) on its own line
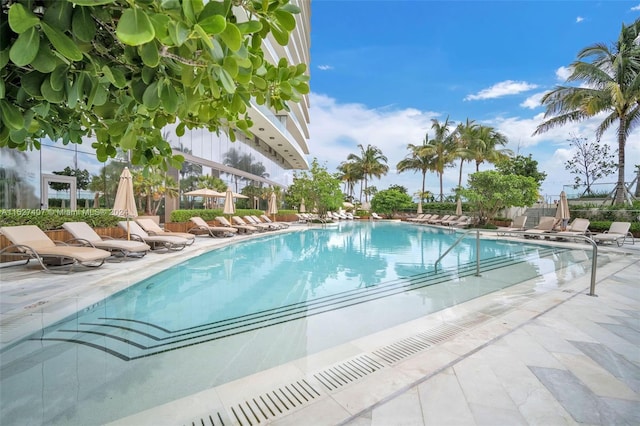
(442, 148)
(417, 160)
(465, 135)
(612, 86)
(484, 147)
(372, 163)
(350, 173)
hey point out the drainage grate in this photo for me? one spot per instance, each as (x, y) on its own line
(274, 403)
(440, 333)
(212, 420)
(401, 349)
(347, 372)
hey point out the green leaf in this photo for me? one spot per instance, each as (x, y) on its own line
(203, 36)
(119, 79)
(170, 4)
(63, 44)
(11, 115)
(135, 28)
(180, 130)
(161, 27)
(169, 98)
(91, 2)
(4, 57)
(249, 27)
(129, 140)
(231, 66)
(149, 54)
(2, 89)
(227, 81)
(76, 92)
(21, 19)
(82, 24)
(187, 10)
(58, 15)
(213, 24)
(49, 94)
(285, 19)
(25, 48)
(148, 74)
(46, 61)
(282, 37)
(259, 82)
(179, 33)
(231, 37)
(58, 77)
(151, 98)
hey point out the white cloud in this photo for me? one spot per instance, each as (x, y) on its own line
(325, 67)
(636, 8)
(533, 101)
(563, 73)
(504, 88)
(579, 19)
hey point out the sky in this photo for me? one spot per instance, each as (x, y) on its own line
(382, 70)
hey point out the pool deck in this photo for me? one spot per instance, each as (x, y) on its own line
(518, 356)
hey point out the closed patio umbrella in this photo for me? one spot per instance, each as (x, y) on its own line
(125, 204)
(562, 212)
(459, 207)
(419, 211)
(273, 205)
(302, 208)
(229, 206)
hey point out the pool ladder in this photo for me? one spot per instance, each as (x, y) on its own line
(594, 258)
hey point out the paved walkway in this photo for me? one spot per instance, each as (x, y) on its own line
(576, 363)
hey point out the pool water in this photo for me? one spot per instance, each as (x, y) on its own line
(250, 306)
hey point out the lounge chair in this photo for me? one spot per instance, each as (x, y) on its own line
(417, 218)
(32, 243)
(239, 228)
(84, 234)
(248, 220)
(425, 218)
(266, 219)
(618, 233)
(438, 221)
(152, 228)
(459, 222)
(519, 223)
(545, 226)
(201, 227)
(375, 215)
(155, 241)
(579, 226)
(238, 222)
(255, 220)
(301, 218)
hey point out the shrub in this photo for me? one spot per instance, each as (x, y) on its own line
(208, 214)
(54, 218)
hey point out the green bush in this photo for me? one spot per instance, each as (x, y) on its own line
(54, 218)
(601, 226)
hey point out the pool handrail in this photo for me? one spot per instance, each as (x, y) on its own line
(594, 258)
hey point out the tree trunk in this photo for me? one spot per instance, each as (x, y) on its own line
(459, 175)
(620, 189)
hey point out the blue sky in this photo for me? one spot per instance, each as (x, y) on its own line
(381, 70)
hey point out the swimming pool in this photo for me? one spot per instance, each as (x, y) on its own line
(248, 307)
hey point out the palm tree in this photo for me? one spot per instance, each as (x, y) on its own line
(484, 146)
(465, 135)
(612, 86)
(350, 173)
(371, 162)
(441, 148)
(416, 160)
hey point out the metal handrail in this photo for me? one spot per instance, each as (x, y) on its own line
(594, 259)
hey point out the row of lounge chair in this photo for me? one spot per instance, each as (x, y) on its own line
(446, 220)
(548, 226)
(88, 248)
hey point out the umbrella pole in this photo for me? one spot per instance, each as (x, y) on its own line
(128, 232)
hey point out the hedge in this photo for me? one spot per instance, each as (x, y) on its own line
(208, 214)
(54, 218)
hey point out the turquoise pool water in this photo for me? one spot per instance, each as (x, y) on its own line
(250, 306)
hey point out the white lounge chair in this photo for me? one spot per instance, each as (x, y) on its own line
(545, 226)
(152, 228)
(155, 241)
(579, 226)
(266, 219)
(258, 224)
(239, 228)
(84, 234)
(30, 242)
(618, 233)
(375, 215)
(518, 223)
(201, 227)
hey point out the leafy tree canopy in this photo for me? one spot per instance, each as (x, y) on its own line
(491, 191)
(399, 188)
(319, 189)
(390, 201)
(522, 166)
(118, 71)
(82, 179)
